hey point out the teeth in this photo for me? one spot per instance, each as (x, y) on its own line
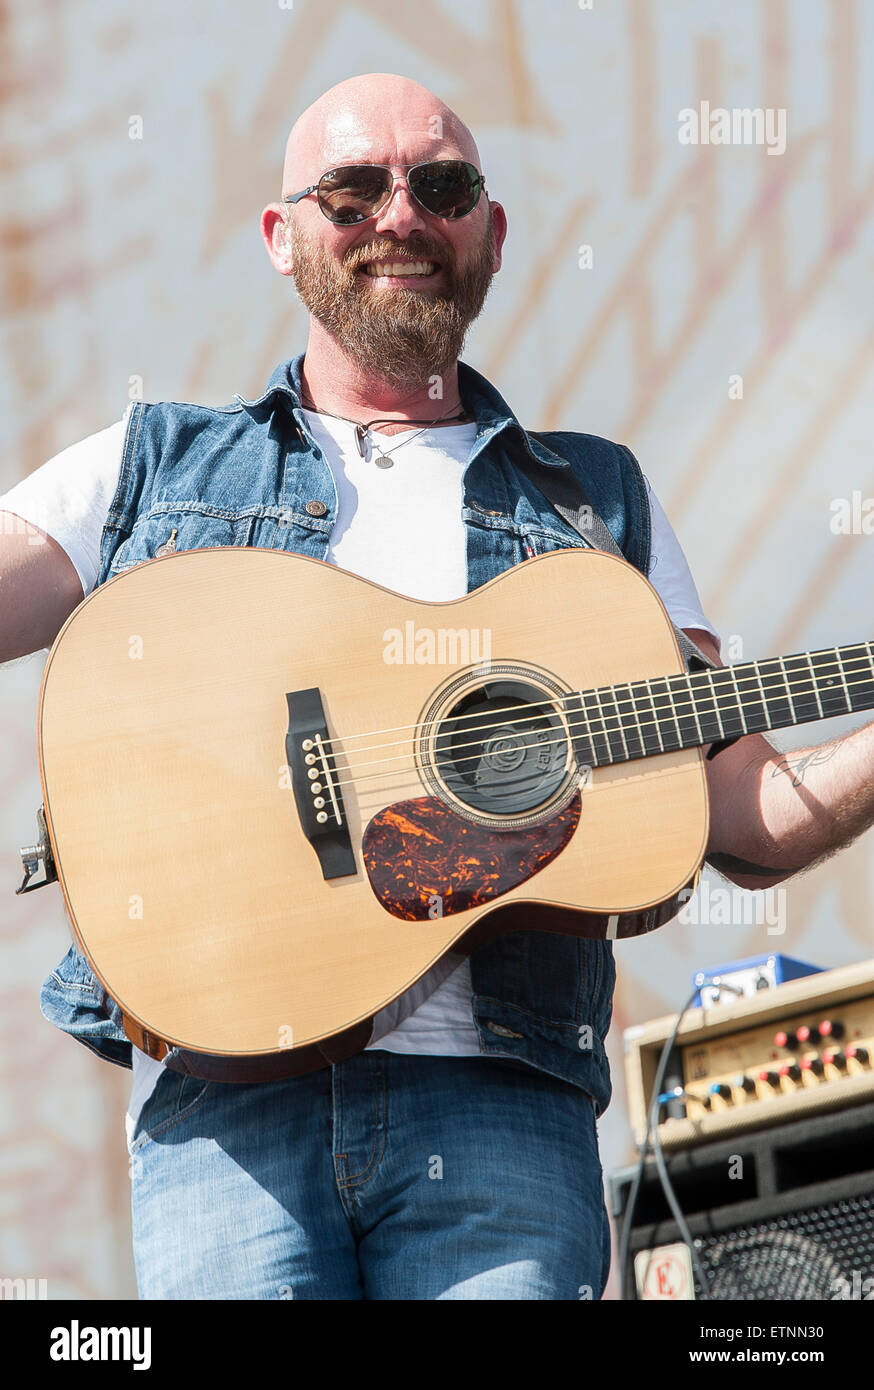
(400, 268)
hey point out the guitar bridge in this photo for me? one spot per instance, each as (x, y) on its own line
(316, 784)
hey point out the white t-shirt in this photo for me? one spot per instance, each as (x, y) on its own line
(417, 502)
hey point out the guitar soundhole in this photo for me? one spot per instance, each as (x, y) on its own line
(501, 749)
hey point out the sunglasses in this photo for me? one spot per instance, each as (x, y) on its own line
(448, 188)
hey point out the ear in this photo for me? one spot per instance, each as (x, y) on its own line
(275, 235)
(499, 229)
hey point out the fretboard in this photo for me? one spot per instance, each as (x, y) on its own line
(617, 723)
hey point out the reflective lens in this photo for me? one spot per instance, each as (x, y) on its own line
(449, 188)
(354, 193)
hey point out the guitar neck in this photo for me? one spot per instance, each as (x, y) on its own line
(618, 723)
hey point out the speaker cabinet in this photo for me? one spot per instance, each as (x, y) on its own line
(782, 1213)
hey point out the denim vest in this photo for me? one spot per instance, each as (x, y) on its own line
(243, 474)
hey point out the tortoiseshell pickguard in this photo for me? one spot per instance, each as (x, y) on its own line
(425, 861)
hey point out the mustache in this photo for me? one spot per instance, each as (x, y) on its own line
(414, 249)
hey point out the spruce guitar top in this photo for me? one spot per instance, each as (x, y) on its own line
(276, 794)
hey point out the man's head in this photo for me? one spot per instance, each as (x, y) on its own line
(402, 329)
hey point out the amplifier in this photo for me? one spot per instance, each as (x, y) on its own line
(786, 1213)
(801, 1049)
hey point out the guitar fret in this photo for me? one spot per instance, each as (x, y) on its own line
(716, 710)
(766, 712)
(644, 715)
(616, 755)
(706, 712)
(805, 702)
(788, 691)
(777, 694)
(751, 698)
(843, 678)
(670, 737)
(860, 686)
(635, 745)
(698, 728)
(813, 680)
(730, 711)
(740, 702)
(656, 721)
(599, 744)
(831, 682)
(686, 719)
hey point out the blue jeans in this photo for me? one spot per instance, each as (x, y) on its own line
(384, 1177)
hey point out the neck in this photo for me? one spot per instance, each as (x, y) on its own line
(332, 381)
(667, 713)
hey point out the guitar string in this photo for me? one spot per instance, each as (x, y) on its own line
(685, 677)
(571, 725)
(691, 711)
(685, 692)
(631, 725)
(604, 733)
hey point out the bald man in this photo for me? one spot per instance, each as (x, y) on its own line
(455, 1155)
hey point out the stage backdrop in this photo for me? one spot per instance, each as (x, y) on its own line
(706, 301)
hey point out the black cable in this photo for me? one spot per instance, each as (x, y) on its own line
(674, 1205)
(652, 1136)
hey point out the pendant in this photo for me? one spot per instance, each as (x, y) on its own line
(382, 461)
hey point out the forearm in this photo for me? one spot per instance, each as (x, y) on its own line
(801, 807)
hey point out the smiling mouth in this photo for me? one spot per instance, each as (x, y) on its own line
(400, 270)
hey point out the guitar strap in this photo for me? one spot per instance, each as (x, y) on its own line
(566, 494)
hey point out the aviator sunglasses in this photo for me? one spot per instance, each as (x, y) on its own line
(448, 188)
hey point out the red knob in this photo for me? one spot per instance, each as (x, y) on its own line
(806, 1034)
(831, 1028)
(782, 1039)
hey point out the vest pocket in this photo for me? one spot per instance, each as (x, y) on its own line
(543, 542)
(165, 533)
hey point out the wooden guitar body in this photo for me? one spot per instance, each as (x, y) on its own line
(176, 823)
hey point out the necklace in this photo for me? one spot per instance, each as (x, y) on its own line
(383, 459)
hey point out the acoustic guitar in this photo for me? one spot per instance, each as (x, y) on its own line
(277, 794)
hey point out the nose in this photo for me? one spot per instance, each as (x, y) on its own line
(401, 214)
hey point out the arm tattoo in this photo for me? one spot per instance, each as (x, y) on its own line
(796, 764)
